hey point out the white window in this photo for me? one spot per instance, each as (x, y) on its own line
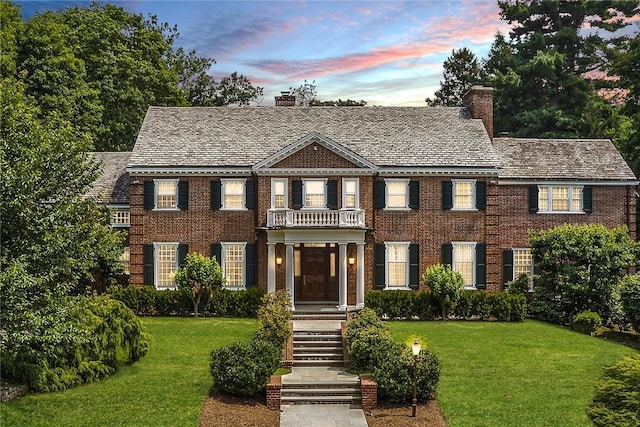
(166, 263)
(120, 217)
(233, 264)
(464, 261)
(397, 256)
(279, 193)
(523, 264)
(166, 193)
(233, 194)
(125, 259)
(464, 194)
(350, 193)
(559, 198)
(397, 193)
(314, 193)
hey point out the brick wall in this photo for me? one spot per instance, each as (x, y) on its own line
(369, 390)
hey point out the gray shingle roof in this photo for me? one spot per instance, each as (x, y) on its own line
(588, 159)
(385, 136)
(112, 185)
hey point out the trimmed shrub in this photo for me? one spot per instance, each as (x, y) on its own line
(617, 400)
(368, 348)
(394, 374)
(519, 285)
(244, 368)
(586, 322)
(149, 301)
(274, 316)
(630, 300)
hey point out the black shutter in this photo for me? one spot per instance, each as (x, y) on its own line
(183, 249)
(379, 273)
(250, 194)
(296, 194)
(447, 254)
(481, 266)
(216, 195)
(332, 194)
(216, 252)
(251, 266)
(533, 198)
(379, 190)
(414, 194)
(149, 195)
(481, 195)
(183, 195)
(414, 266)
(587, 199)
(507, 265)
(148, 264)
(447, 194)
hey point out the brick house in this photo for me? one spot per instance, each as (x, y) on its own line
(327, 202)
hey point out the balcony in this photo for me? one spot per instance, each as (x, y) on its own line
(315, 218)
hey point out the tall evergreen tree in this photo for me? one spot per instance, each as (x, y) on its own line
(461, 70)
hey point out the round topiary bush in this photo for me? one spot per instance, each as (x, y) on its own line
(586, 322)
(244, 368)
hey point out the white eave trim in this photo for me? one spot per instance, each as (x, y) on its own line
(142, 171)
(315, 171)
(603, 183)
(450, 171)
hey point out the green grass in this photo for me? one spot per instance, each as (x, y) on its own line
(513, 374)
(165, 388)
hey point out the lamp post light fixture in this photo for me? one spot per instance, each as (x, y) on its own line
(415, 349)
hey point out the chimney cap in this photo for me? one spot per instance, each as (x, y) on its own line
(284, 92)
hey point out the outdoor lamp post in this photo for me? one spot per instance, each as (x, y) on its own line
(415, 348)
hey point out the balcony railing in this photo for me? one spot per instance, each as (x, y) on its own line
(315, 218)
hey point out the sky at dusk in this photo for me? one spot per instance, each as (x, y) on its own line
(384, 52)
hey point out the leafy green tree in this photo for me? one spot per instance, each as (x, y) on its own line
(305, 94)
(198, 276)
(11, 28)
(461, 70)
(445, 284)
(580, 269)
(630, 300)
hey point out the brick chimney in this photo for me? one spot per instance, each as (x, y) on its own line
(479, 101)
(285, 99)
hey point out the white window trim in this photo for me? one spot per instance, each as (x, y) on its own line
(304, 193)
(531, 266)
(273, 193)
(155, 195)
(344, 193)
(406, 194)
(224, 181)
(386, 266)
(114, 209)
(549, 188)
(155, 263)
(473, 268)
(244, 265)
(453, 192)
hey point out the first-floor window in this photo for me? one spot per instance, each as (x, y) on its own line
(233, 264)
(464, 261)
(523, 264)
(120, 217)
(397, 264)
(125, 259)
(166, 264)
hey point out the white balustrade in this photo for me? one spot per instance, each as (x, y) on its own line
(315, 218)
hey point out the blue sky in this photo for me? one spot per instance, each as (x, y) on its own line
(385, 52)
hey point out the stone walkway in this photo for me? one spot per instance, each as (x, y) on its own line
(319, 415)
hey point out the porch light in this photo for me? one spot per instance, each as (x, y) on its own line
(279, 260)
(416, 347)
(352, 260)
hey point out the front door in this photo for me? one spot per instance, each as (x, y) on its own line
(317, 281)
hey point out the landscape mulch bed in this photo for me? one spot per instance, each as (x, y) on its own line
(229, 411)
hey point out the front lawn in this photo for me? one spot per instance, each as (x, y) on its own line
(513, 374)
(165, 388)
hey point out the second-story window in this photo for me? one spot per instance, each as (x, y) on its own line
(463, 194)
(166, 194)
(233, 194)
(350, 193)
(559, 199)
(279, 193)
(314, 193)
(397, 190)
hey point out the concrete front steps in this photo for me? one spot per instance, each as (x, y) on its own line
(318, 312)
(318, 375)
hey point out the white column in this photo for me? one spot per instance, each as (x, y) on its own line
(290, 279)
(271, 263)
(342, 276)
(360, 277)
